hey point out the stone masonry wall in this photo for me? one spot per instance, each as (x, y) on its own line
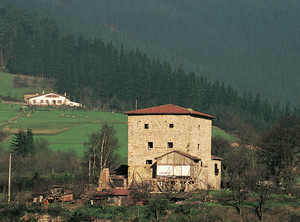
(200, 140)
(187, 132)
(214, 181)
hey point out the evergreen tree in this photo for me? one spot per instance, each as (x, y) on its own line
(22, 143)
(99, 74)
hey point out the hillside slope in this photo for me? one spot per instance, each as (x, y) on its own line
(68, 130)
(65, 129)
(13, 87)
(245, 43)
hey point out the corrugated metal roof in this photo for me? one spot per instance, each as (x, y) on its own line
(168, 109)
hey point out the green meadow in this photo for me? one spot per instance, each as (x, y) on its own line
(7, 112)
(68, 130)
(223, 134)
(8, 88)
(65, 129)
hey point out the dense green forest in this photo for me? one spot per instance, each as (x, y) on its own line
(251, 44)
(95, 72)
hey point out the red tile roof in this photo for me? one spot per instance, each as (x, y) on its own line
(168, 109)
(216, 157)
(119, 192)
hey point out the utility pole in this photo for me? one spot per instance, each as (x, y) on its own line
(9, 178)
(89, 169)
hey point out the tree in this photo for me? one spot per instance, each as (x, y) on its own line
(236, 169)
(220, 146)
(278, 151)
(157, 207)
(263, 191)
(23, 144)
(102, 146)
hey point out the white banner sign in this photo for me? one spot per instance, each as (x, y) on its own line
(170, 170)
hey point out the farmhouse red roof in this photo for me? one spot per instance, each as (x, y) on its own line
(168, 109)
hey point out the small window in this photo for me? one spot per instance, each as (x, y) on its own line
(148, 161)
(146, 126)
(150, 145)
(59, 101)
(34, 101)
(171, 125)
(198, 147)
(170, 144)
(42, 101)
(216, 170)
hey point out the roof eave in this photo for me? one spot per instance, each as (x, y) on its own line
(177, 114)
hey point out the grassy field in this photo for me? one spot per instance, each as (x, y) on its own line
(7, 112)
(66, 130)
(219, 132)
(8, 88)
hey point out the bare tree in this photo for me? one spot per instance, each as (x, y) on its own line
(102, 147)
(279, 149)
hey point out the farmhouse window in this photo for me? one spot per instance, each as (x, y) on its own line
(59, 101)
(216, 170)
(42, 101)
(148, 161)
(171, 125)
(170, 144)
(150, 145)
(34, 101)
(146, 126)
(47, 101)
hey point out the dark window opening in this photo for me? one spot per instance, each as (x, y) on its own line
(148, 161)
(198, 147)
(216, 170)
(150, 145)
(170, 144)
(146, 126)
(171, 125)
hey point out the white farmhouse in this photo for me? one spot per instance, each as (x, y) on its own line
(51, 99)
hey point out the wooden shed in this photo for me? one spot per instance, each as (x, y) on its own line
(175, 164)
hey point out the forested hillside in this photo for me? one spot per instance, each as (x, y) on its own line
(94, 72)
(251, 44)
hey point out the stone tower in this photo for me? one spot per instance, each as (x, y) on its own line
(169, 141)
